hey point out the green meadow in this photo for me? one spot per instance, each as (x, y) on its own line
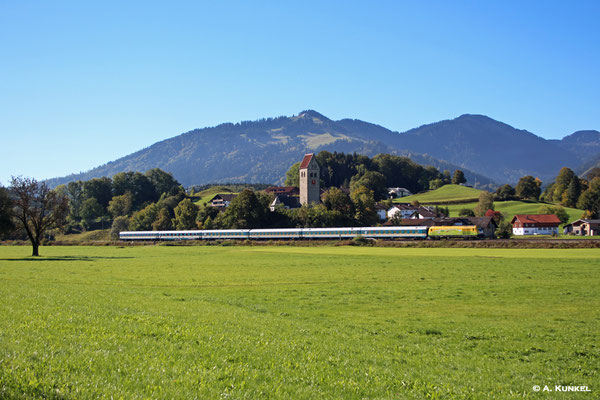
(252, 322)
(513, 207)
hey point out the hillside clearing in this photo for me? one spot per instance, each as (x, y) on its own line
(444, 194)
(513, 207)
(205, 196)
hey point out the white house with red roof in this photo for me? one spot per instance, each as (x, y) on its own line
(535, 224)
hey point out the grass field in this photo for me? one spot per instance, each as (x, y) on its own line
(297, 323)
(445, 193)
(511, 208)
(85, 237)
(206, 195)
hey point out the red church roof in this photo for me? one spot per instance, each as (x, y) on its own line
(536, 219)
(306, 160)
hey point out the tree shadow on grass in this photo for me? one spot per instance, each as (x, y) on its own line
(64, 258)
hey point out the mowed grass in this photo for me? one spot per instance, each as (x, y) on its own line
(445, 193)
(512, 208)
(297, 323)
(206, 195)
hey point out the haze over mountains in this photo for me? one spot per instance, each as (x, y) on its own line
(490, 152)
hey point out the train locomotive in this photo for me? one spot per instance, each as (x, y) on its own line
(374, 232)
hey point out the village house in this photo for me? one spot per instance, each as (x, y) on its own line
(381, 211)
(398, 192)
(410, 211)
(583, 227)
(486, 224)
(284, 201)
(221, 201)
(535, 224)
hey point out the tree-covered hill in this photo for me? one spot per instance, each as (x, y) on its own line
(487, 151)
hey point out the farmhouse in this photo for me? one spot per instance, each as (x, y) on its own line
(583, 227)
(486, 224)
(285, 202)
(397, 192)
(381, 211)
(410, 211)
(535, 224)
(221, 201)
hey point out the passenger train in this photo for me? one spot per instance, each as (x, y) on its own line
(383, 232)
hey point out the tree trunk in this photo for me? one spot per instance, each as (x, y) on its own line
(36, 247)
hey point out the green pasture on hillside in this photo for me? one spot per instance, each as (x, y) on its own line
(445, 193)
(511, 208)
(206, 195)
(330, 322)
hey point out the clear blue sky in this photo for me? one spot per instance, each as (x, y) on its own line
(83, 83)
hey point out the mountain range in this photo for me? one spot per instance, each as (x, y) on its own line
(488, 151)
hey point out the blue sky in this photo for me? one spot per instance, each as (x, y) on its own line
(83, 83)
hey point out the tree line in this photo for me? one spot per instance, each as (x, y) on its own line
(377, 173)
(156, 201)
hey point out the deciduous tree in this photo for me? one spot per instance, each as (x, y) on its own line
(466, 212)
(365, 213)
(90, 211)
(562, 183)
(185, 215)
(163, 182)
(559, 211)
(37, 208)
(505, 192)
(246, 211)
(99, 189)
(528, 188)
(336, 200)
(590, 198)
(142, 220)
(163, 221)
(6, 223)
(486, 202)
(458, 177)
(121, 205)
(119, 224)
(292, 176)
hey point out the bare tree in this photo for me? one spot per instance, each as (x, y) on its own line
(37, 208)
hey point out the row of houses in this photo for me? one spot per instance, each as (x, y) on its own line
(407, 214)
(548, 225)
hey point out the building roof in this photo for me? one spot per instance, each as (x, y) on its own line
(482, 222)
(584, 221)
(458, 221)
(423, 212)
(405, 206)
(288, 201)
(225, 196)
(306, 160)
(536, 219)
(410, 222)
(380, 206)
(287, 190)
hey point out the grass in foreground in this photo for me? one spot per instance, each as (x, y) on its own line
(280, 322)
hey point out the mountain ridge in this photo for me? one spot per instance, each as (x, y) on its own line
(263, 150)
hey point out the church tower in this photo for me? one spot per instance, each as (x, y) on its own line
(309, 180)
